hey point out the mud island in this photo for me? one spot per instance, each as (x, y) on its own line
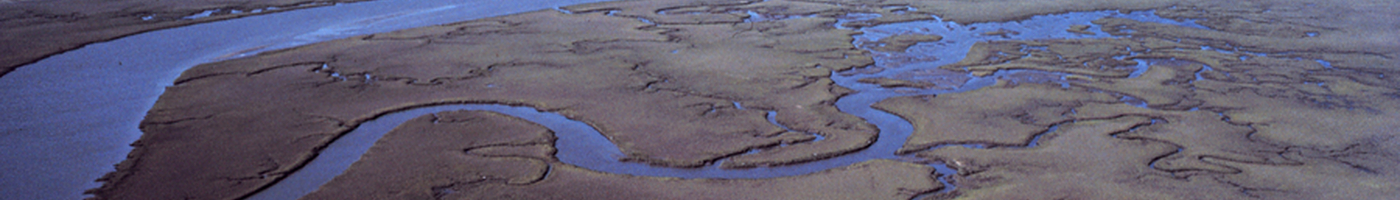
(977, 100)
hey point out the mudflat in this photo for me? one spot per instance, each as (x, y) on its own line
(33, 30)
(478, 154)
(1275, 100)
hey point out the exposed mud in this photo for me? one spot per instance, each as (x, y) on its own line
(658, 107)
(1224, 110)
(1235, 108)
(482, 155)
(33, 30)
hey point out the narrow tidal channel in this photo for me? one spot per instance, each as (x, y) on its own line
(582, 145)
(70, 117)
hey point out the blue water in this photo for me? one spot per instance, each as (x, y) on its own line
(69, 118)
(583, 146)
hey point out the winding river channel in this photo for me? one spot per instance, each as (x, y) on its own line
(68, 118)
(582, 145)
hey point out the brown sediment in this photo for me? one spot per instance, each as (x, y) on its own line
(1163, 85)
(660, 79)
(875, 179)
(1214, 158)
(1080, 160)
(443, 149)
(1080, 29)
(892, 83)
(484, 155)
(1272, 19)
(899, 43)
(1005, 114)
(1244, 125)
(662, 93)
(1088, 57)
(1002, 33)
(921, 78)
(33, 30)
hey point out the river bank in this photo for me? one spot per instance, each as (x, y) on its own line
(69, 118)
(1188, 104)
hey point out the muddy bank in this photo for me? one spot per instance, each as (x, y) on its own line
(664, 81)
(477, 154)
(68, 118)
(648, 105)
(34, 30)
(1202, 111)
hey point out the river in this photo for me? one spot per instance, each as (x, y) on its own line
(70, 117)
(582, 145)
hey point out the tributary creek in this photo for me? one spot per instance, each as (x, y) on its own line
(68, 118)
(584, 146)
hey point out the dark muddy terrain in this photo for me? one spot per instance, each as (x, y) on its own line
(805, 99)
